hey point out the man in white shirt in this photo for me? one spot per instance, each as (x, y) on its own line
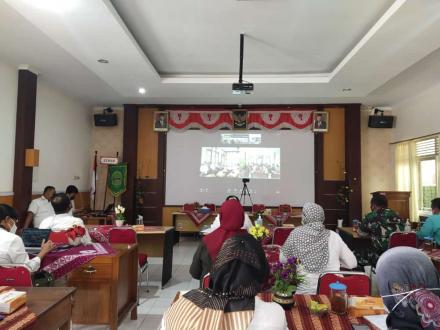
(12, 250)
(40, 208)
(71, 192)
(62, 220)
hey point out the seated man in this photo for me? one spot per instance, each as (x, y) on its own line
(71, 192)
(431, 227)
(40, 208)
(62, 220)
(379, 224)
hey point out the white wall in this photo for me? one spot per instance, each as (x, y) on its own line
(63, 129)
(418, 116)
(8, 111)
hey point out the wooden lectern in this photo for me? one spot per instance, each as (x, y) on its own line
(398, 201)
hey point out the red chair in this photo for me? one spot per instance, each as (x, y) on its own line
(280, 235)
(128, 236)
(402, 239)
(15, 276)
(258, 208)
(285, 208)
(210, 206)
(272, 253)
(205, 281)
(189, 207)
(358, 283)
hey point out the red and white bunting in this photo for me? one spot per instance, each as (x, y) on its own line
(222, 119)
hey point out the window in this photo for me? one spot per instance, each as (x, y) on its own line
(426, 152)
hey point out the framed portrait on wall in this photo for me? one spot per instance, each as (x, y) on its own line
(239, 118)
(161, 121)
(320, 121)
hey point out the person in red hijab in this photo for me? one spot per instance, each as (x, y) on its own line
(231, 221)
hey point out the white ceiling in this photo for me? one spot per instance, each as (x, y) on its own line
(186, 51)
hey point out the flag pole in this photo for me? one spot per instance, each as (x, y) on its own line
(114, 198)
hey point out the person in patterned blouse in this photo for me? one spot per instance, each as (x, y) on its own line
(378, 225)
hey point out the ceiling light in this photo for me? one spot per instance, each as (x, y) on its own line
(103, 60)
(346, 89)
(142, 90)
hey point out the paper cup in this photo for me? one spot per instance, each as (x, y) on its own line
(340, 221)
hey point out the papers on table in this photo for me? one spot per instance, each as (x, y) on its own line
(378, 321)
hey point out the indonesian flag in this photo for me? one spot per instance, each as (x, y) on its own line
(93, 183)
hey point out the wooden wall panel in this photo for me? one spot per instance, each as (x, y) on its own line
(24, 139)
(130, 157)
(147, 145)
(9, 200)
(334, 145)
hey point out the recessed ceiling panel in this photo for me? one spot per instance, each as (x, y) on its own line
(282, 36)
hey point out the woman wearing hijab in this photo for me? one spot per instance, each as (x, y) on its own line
(231, 221)
(230, 302)
(404, 274)
(319, 250)
(12, 249)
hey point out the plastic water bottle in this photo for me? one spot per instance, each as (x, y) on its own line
(259, 220)
(140, 220)
(407, 226)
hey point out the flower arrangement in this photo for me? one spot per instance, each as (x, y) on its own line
(258, 231)
(286, 276)
(119, 210)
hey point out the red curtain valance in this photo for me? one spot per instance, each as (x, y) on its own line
(222, 119)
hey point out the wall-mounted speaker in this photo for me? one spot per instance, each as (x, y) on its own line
(381, 121)
(106, 119)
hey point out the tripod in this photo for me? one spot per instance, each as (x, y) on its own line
(244, 192)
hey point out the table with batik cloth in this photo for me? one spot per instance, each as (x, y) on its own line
(60, 263)
(299, 317)
(23, 318)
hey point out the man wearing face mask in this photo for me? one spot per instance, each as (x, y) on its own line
(12, 249)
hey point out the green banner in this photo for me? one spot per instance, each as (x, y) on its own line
(117, 179)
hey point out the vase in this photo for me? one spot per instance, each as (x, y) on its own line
(286, 300)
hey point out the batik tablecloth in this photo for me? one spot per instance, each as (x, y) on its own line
(22, 318)
(198, 217)
(59, 263)
(101, 234)
(299, 317)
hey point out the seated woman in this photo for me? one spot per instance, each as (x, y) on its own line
(404, 274)
(231, 220)
(246, 225)
(12, 249)
(230, 302)
(379, 224)
(320, 250)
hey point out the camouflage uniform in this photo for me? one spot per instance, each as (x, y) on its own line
(378, 225)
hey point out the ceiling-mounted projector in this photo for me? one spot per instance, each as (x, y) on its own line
(242, 88)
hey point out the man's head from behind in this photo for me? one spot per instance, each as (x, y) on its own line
(378, 202)
(435, 206)
(61, 203)
(48, 192)
(71, 191)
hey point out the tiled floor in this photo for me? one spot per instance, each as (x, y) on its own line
(154, 303)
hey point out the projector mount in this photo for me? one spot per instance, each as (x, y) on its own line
(241, 87)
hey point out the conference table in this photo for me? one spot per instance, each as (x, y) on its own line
(155, 241)
(52, 307)
(183, 222)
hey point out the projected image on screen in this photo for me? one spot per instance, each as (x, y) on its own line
(240, 162)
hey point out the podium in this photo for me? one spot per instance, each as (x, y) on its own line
(398, 201)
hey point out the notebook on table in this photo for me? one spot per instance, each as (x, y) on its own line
(32, 238)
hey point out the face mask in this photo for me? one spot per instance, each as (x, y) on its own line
(13, 229)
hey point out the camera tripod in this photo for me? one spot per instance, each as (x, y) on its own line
(245, 192)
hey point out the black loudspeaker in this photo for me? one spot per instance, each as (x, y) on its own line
(380, 121)
(106, 120)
